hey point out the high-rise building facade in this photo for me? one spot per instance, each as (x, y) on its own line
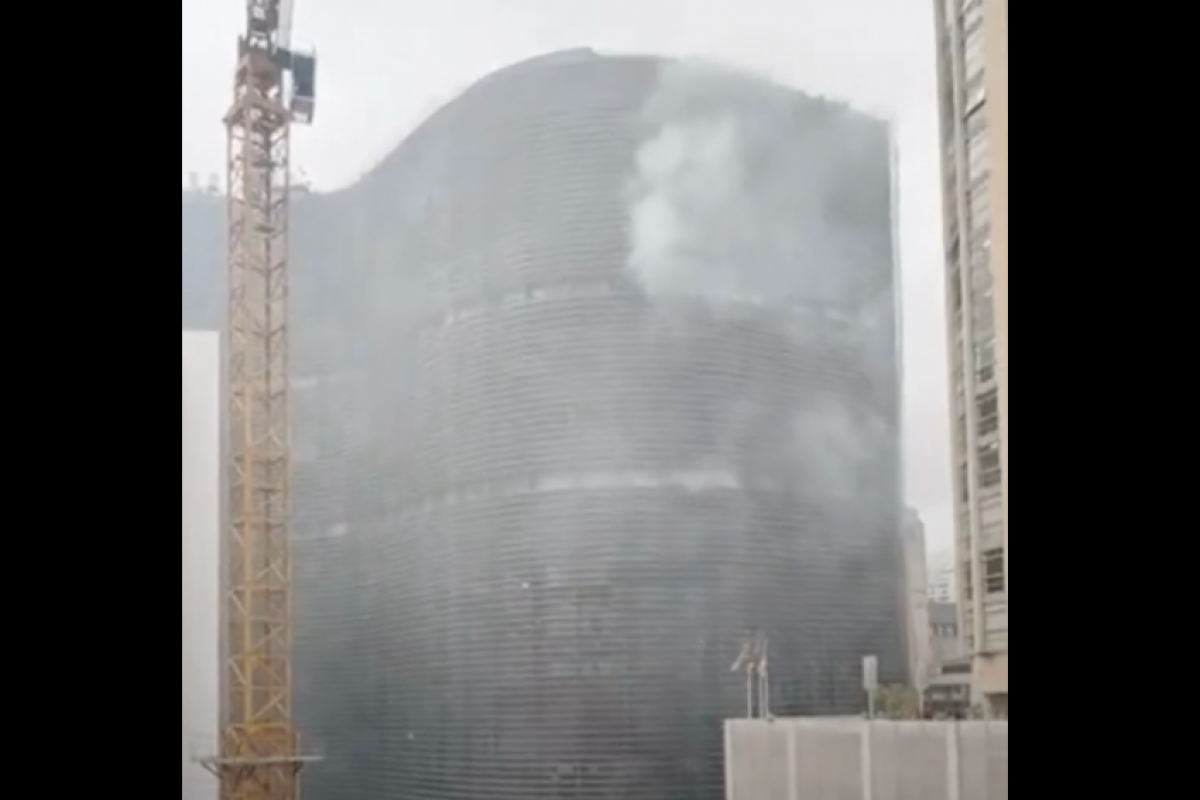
(647, 407)
(973, 61)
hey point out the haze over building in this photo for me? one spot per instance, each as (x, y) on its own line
(596, 376)
(973, 65)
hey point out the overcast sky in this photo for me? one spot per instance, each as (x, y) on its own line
(385, 64)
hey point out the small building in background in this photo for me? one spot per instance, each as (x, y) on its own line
(922, 666)
(949, 695)
(945, 633)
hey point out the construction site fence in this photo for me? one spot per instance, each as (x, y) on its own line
(841, 759)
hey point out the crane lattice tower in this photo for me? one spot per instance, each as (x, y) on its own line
(259, 755)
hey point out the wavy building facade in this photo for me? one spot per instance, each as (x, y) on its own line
(602, 379)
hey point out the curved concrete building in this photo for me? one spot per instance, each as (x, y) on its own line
(603, 380)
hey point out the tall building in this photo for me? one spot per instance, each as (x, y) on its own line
(596, 378)
(973, 58)
(201, 577)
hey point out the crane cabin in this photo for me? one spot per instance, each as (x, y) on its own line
(269, 25)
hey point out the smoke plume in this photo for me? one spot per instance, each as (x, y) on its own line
(746, 195)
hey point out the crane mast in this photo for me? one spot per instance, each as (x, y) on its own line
(259, 755)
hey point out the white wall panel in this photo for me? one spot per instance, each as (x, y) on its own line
(852, 759)
(201, 551)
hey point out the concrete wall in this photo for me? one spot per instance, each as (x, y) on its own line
(201, 548)
(857, 760)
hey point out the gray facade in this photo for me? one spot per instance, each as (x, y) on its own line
(203, 217)
(559, 466)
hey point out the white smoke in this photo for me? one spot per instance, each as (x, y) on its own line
(689, 172)
(745, 196)
(735, 191)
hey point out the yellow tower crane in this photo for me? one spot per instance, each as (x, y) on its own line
(259, 755)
